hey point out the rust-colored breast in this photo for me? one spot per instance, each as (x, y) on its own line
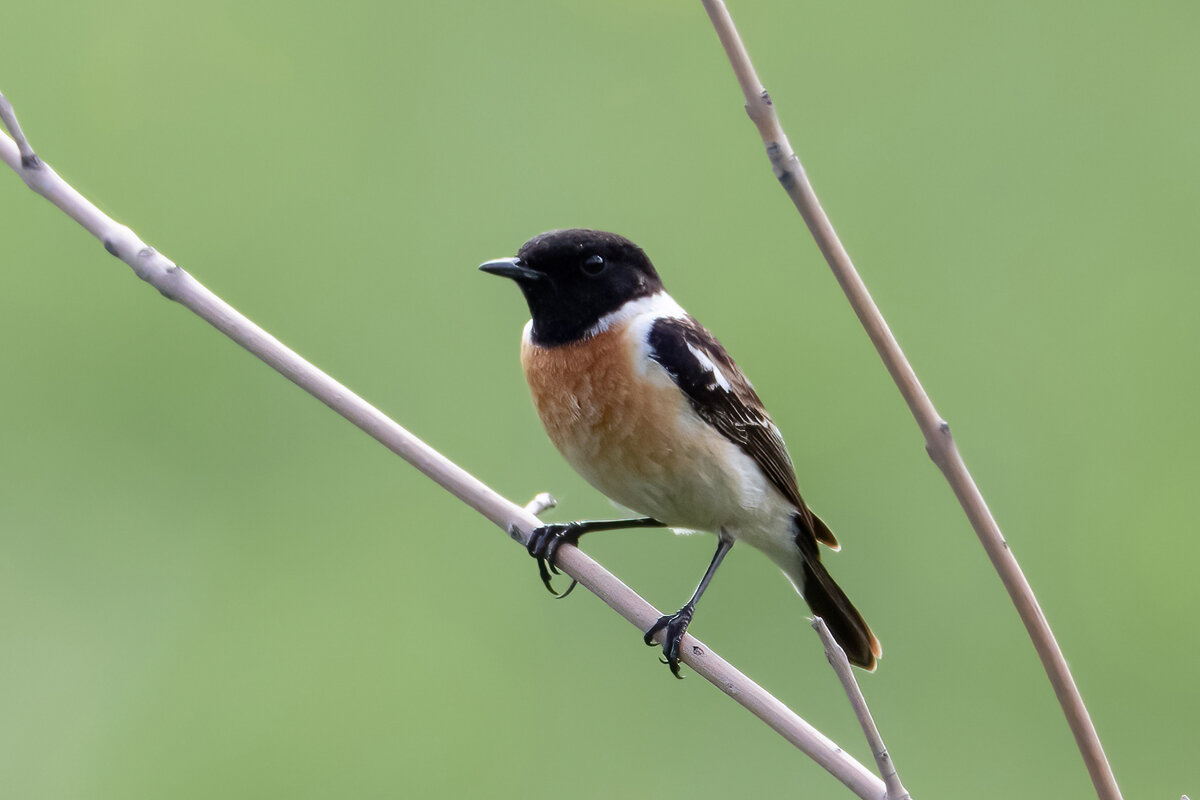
(616, 428)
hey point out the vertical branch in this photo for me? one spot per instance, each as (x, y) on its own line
(841, 665)
(938, 442)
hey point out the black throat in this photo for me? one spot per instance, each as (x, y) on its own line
(557, 323)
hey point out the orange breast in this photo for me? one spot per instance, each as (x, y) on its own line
(628, 432)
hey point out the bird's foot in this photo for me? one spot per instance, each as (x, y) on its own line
(543, 545)
(673, 627)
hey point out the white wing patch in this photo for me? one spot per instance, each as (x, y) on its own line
(710, 367)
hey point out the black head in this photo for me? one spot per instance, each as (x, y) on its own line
(571, 278)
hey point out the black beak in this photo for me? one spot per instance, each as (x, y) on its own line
(511, 268)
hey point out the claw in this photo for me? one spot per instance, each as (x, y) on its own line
(673, 628)
(543, 545)
(545, 541)
(546, 579)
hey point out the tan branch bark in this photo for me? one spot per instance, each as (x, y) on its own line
(841, 666)
(938, 441)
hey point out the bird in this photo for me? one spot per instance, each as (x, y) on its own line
(645, 404)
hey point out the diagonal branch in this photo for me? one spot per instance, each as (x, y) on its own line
(841, 665)
(178, 285)
(938, 441)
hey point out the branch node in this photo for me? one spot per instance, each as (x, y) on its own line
(779, 163)
(939, 444)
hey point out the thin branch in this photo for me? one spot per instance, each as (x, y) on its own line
(178, 285)
(9, 118)
(938, 441)
(841, 665)
(541, 503)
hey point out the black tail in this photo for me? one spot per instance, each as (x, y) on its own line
(829, 602)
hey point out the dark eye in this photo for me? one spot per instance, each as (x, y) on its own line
(594, 265)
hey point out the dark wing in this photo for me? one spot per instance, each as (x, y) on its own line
(722, 397)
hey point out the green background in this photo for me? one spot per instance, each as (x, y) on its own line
(211, 586)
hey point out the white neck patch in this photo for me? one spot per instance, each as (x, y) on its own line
(656, 305)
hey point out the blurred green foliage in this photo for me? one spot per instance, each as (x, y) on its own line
(210, 586)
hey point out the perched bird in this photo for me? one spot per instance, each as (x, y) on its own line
(648, 407)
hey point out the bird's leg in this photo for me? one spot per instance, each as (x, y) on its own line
(545, 541)
(675, 625)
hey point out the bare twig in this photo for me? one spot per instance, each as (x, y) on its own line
(938, 441)
(176, 284)
(541, 503)
(841, 665)
(9, 118)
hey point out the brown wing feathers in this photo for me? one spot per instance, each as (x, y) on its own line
(722, 396)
